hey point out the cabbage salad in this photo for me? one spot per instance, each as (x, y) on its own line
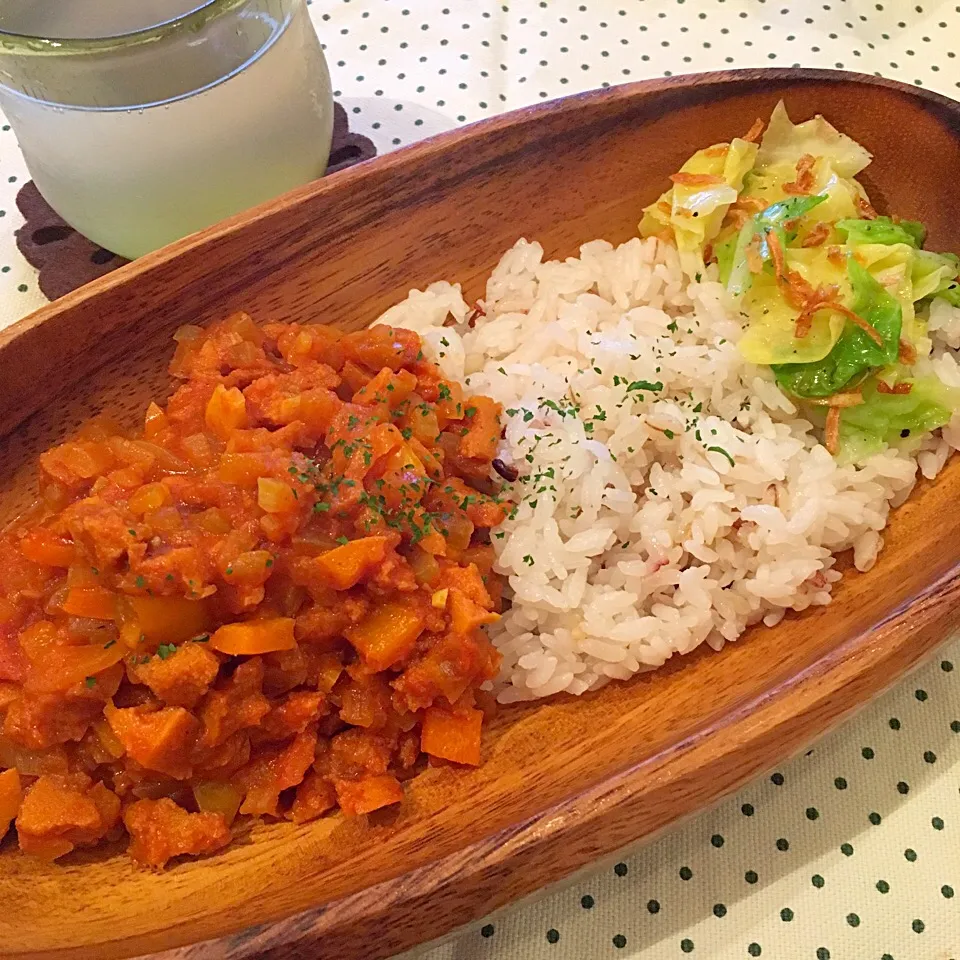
(834, 298)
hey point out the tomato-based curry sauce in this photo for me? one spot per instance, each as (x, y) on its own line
(267, 603)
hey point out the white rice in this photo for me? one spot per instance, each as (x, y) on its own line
(635, 540)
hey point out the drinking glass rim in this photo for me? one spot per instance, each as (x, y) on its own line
(193, 19)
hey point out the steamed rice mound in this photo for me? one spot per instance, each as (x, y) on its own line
(669, 493)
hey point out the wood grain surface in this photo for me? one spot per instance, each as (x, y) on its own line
(563, 782)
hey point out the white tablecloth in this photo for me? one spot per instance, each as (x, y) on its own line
(853, 851)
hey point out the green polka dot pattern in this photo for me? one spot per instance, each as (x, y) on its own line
(851, 850)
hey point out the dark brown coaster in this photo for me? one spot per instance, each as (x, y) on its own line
(66, 259)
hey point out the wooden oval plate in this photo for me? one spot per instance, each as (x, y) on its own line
(562, 782)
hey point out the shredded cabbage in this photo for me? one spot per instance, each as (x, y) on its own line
(933, 274)
(883, 230)
(696, 212)
(885, 418)
(786, 142)
(836, 252)
(854, 352)
(773, 219)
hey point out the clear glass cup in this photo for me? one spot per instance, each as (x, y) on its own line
(144, 120)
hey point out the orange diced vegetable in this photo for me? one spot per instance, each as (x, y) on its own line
(77, 459)
(251, 568)
(154, 422)
(275, 496)
(226, 411)
(388, 388)
(177, 610)
(11, 794)
(369, 794)
(44, 848)
(159, 740)
(354, 376)
(161, 830)
(387, 634)
(483, 429)
(345, 566)
(276, 770)
(168, 619)
(108, 739)
(151, 496)
(433, 542)
(318, 408)
(41, 546)
(382, 346)
(98, 603)
(315, 796)
(243, 469)
(61, 812)
(255, 637)
(452, 735)
(58, 668)
(466, 615)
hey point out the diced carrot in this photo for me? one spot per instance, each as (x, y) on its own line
(469, 581)
(369, 794)
(431, 462)
(45, 848)
(354, 376)
(452, 735)
(381, 346)
(97, 603)
(387, 388)
(346, 565)
(483, 429)
(387, 634)
(318, 408)
(274, 770)
(41, 546)
(58, 668)
(255, 637)
(466, 615)
(11, 794)
(160, 740)
(433, 543)
(384, 438)
(315, 796)
(168, 619)
(160, 829)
